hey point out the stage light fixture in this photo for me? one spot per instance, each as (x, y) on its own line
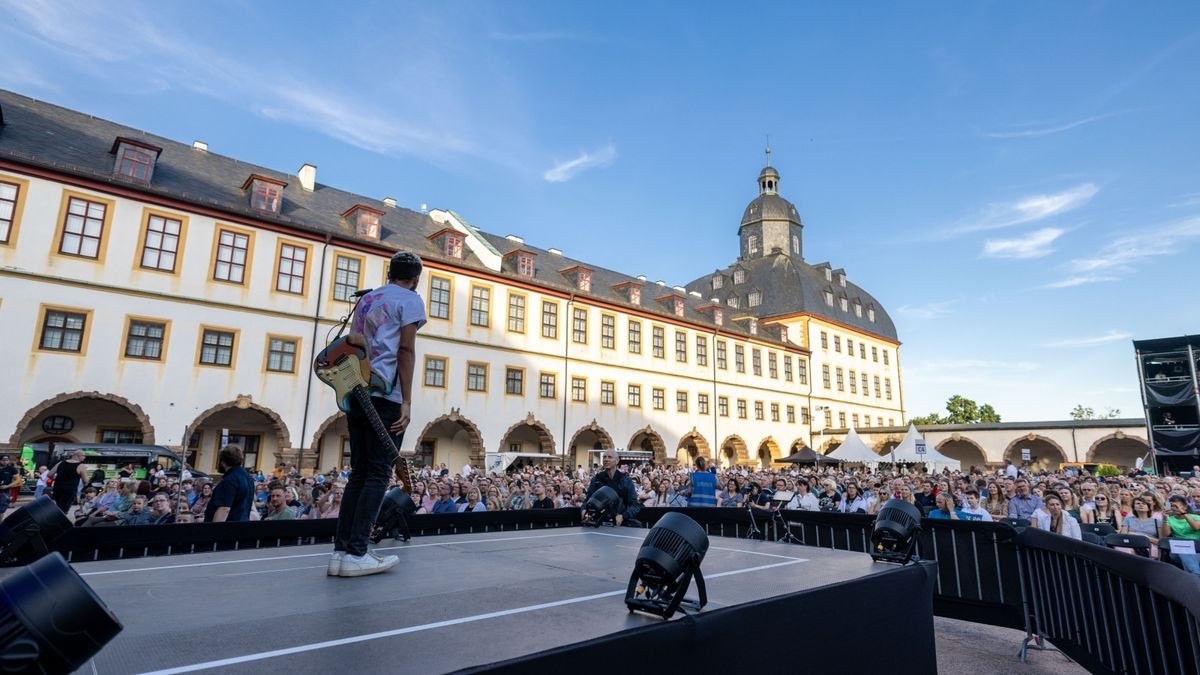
(895, 536)
(393, 516)
(601, 507)
(28, 532)
(670, 556)
(50, 619)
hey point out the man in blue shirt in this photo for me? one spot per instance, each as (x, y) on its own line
(231, 498)
(944, 508)
(704, 485)
(444, 503)
(1024, 503)
(388, 319)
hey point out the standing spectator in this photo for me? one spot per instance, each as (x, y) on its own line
(1181, 524)
(10, 477)
(68, 474)
(704, 485)
(540, 500)
(1054, 519)
(232, 497)
(1024, 504)
(1010, 469)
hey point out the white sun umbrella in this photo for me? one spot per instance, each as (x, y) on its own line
(854, 450)
(907, 452)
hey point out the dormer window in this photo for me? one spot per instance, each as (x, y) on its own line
(796, 244)
(783, 337)
(732, 301)
(580, 276)
(135, 160)
(525, 265)
(858, 309)
(828, 275)
(364, 220)
(678, 306)
(631, 290)
(845, 305)
(717, 282)
(739, 276)
(829, 298)
(871, 315)
(266, 194)
(754, 327)
(755, 299)
(842, 280)
(635, 295)
(453, 246)
(719, 316)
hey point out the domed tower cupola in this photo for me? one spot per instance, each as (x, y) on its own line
(770, 224)
(768, 178)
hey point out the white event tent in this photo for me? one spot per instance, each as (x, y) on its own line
(907, 452)
(854, 450)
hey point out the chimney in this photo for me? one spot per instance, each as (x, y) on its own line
(388, 201)
(308, 177)
(554, 251)
(515, 239)
(424, 208)
(679, 289)
(200, 145)
(641, 278)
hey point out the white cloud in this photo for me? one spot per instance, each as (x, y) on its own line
(930, 310)
(1046, 131)
(1082, 280)
(565, 171)
(1029, 209)
(1111, 336)
(1122, 253)
(1034, 245)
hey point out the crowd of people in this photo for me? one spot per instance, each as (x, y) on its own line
(1134, 503)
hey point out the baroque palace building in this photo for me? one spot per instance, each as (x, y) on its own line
(172, 295)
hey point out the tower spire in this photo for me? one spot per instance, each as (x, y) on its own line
(768, 149)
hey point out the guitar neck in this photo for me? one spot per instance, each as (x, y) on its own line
(403, 471)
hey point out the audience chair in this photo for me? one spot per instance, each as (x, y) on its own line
(1101, 529)
(1137, 542)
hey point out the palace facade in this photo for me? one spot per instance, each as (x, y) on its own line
(165, 293)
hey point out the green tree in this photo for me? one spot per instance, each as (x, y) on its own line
(961, 410)
(1082, 413)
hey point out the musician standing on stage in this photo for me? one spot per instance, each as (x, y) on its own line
(388, 319)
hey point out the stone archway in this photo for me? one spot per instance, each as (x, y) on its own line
(327, 442)
(966, 451)
(885, 447)
(451, 439)
(797, 445)
(649, 440)
(261, 431)
(1045, 454)
(586, 439)
(734, 451)
(46, 408)
(1119, 449)
(530, 434)
(692, 445)
(768, 452)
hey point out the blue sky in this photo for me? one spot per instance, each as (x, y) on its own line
(1017, 183)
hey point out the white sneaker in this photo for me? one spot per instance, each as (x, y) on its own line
(335, 563)
(362, 565)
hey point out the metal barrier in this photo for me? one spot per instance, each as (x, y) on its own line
(1108, 610)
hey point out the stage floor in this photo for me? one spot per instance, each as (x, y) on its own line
(452, 602)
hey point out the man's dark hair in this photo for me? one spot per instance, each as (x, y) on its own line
(404, 266)
(231, 456)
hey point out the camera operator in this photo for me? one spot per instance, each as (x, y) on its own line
(757, 498)
(610, 477)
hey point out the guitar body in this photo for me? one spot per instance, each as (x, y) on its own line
(344, 366)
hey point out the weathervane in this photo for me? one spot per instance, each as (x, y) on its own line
(768, 149)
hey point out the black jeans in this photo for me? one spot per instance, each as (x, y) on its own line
(370, 472)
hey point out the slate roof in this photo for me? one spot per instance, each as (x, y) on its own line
(770, 207)
(789, 286)
(41, 134)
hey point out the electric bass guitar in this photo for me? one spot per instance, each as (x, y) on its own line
(344, 366)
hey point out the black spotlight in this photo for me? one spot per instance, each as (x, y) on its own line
(50, 620)
(601, 507)
(895, 535)
(670, 556)
(27, 534)
(393, 516)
